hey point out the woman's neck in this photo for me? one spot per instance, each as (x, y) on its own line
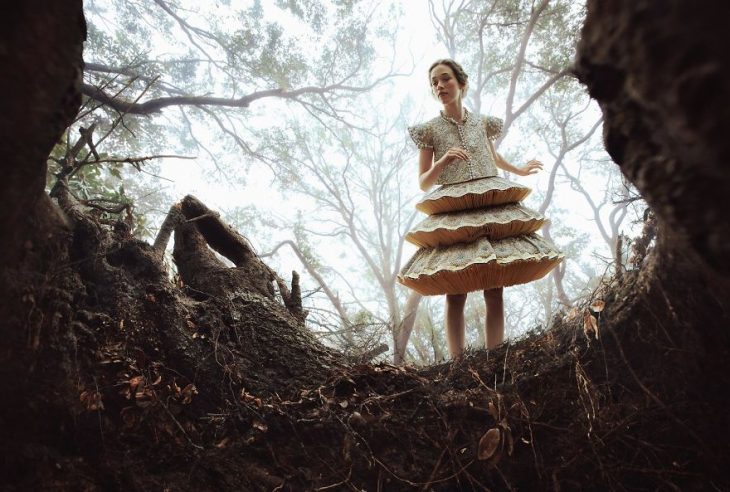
(454, 111)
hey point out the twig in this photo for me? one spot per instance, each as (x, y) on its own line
(346, 480)
(179, 426)
(504, 366)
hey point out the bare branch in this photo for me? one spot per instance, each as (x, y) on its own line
(334, 299)
(188, 29)
(173, 218)
(156, 105)
(517, 70)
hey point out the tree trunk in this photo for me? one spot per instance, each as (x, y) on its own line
(117, 378)
(402, 331)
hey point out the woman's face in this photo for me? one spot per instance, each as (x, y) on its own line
(444, 84)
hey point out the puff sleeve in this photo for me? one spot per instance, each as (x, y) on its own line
(421, 135)
(493, 126)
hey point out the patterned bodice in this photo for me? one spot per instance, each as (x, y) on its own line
(443, 133)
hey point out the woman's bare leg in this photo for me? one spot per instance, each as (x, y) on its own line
(495, 317)
(455, 323)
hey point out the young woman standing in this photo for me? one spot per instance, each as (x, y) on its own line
(477, 236)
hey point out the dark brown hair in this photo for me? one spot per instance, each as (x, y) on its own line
(459, 73)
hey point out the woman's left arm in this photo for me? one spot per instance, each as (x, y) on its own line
(532, 167)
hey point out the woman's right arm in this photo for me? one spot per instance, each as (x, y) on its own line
(429, 171)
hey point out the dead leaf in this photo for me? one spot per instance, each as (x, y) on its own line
(598, 305)
(129, 417)
(507, 433)
(188, 392)
(223, 443)
(136, 381)
(257, 424)
(92, 400)
(489, 443)
(145, 396)
(572, 314)
(347, 448)
(493, 411)
(250, 398)
(356, 420)
(168, 428)
(590, 325)
(343, 403)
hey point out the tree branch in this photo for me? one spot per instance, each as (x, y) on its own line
(334, 299)
(517, 70)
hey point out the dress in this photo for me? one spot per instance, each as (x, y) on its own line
(476, 236)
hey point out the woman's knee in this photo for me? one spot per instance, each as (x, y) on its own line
(456, 299)
(493, 295)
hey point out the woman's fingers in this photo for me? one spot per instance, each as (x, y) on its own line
(533, 167)
(456, 153)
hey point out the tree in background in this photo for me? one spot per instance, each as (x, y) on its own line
(357, 183)
(146, 92)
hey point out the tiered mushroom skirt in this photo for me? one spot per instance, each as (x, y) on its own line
(477, 237)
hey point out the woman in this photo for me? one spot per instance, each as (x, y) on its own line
(477, 236)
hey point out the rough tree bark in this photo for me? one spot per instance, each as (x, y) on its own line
(116, 378)
(38, 101)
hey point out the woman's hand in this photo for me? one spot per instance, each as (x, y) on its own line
(532, 167)
(451, 155)
(429, 171)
